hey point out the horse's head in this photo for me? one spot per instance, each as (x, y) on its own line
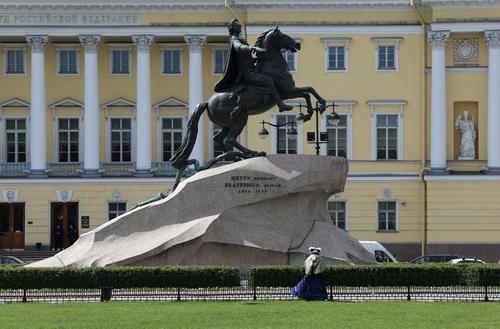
(275, 39)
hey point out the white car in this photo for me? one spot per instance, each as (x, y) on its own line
(464, 260)
(381, 254)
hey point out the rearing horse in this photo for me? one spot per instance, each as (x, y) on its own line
(220, 105)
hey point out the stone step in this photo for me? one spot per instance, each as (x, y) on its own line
(28, 256)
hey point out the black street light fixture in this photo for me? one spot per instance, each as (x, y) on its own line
(263, 133)
(317, 137)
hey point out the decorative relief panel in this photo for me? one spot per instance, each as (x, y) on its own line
(466, 51)
(64, 195)
(117, 195)
(10, 195)
(387, 194)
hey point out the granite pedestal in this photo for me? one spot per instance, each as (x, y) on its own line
(265, 210)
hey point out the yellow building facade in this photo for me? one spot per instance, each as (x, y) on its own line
(94, 98)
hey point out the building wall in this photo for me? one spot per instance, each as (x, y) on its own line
(449, 215)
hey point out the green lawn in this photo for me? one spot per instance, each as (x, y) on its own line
(286, 314)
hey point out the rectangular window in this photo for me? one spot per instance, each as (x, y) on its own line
(336, 58)
(386, 58)
(121, 140)
(290, 60)
(387, 214)
(120, 62)
(15, 137)
(116, 209)
(387, 136)
(15, 61)
(68, 61)
(337, 211)
(287, 143)
(220, 60)
(68, 140)
(172, 134)
(171, 61)
(337, 138)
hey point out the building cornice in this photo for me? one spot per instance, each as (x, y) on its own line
(245, 5)
(455, 4)
(217, 5)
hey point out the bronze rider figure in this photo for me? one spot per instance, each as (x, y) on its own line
(241, 70)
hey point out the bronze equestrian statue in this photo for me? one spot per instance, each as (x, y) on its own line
(248, 87)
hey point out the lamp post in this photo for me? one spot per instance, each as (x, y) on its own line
(263, 133)
(313, 137)
(318, 137)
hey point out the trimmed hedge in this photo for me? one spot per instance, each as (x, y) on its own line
(16, 277)
(118, 277)
(437, 275)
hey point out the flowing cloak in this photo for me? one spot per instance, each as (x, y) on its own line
(240, 71)
(232, 72)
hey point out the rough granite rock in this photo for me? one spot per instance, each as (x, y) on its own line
(265, 210)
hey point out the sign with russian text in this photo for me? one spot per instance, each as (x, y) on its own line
(70, 19)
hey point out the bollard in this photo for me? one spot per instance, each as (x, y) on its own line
(106, 293)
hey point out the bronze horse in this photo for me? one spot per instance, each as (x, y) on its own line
(220, 105)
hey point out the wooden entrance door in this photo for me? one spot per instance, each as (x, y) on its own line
(11, 225)
(67, 213)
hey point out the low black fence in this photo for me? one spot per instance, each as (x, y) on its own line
(344, 283)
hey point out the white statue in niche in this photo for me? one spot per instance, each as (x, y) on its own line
(468, 135)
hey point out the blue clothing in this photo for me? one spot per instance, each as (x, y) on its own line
(311, 287)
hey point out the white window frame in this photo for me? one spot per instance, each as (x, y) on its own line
(4, 136)
(336, 198)
(389, 41)
(337, 42)
(56, 138)
(25, 63)
(162, 65)
(108, 137)
(346, 107)
(214, 52)
(396, 230)
(295, 60)
(373, 105)
(160, 133)
(115, 47)
(397, 134)
(325, 145)
(58, 59)
(274, 135)
(115, 201)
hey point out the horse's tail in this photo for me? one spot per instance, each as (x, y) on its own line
(182, 154)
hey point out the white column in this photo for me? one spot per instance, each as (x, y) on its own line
(438, 39)
(196, 43)
(91, 129)
(143, 115)
(493, 42)
(38, 147)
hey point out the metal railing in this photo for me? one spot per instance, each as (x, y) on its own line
(74, 169)
(114, 169)
(63, 169)
(245, 292)
(14, 169)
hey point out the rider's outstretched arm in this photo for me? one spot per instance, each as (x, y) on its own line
(240, 46)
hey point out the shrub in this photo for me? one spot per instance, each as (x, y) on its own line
(437, 275)
(118, 277)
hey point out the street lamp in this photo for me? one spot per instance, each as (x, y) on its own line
(317, 137)
(263, 133)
